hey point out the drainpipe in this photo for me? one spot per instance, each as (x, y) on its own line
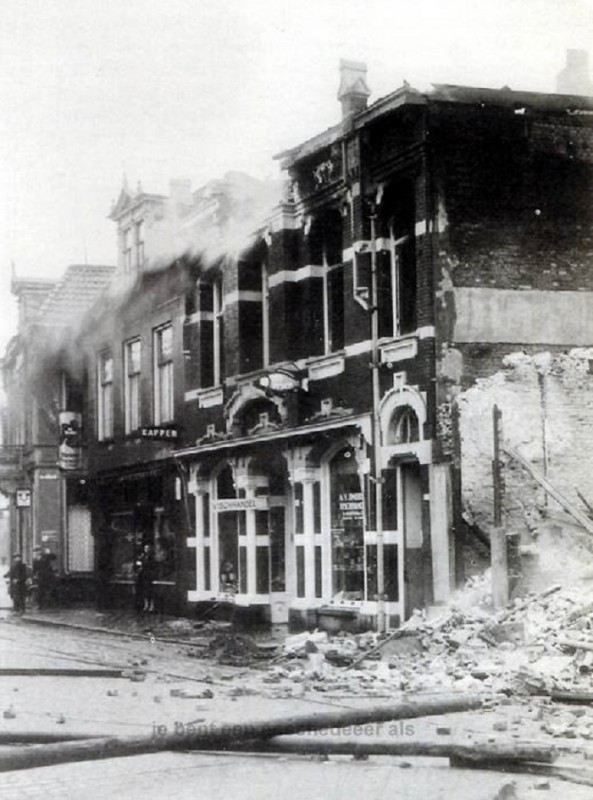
(377, 471)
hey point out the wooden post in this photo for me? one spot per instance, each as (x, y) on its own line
(213, 735)
(474, 752)
(498, 547)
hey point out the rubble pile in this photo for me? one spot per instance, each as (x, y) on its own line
(233, 650)
(539, 644)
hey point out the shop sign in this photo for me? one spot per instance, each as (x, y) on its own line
(157, 432)
(350, 504)
(241, 503)
(70, 445)
(23, 498)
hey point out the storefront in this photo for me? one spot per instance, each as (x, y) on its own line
(131, 511)
(288, 528)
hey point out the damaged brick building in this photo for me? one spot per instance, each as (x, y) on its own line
(310, 385)
(473, 207)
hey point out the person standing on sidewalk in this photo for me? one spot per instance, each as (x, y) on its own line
(145, 577)
(43, 577)
(17, 576)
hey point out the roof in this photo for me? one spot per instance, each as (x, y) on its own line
(74, 294)
(128, 201)
(440, 93)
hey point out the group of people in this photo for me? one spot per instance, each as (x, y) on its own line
(36, 582)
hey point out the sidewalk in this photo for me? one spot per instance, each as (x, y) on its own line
(123, 622)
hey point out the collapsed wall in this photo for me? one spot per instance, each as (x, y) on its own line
(547, 416)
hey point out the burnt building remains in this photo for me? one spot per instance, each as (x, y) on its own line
(286, 412)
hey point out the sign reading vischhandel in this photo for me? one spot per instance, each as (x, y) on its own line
(156, 432)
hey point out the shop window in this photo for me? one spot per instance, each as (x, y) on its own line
(300, 571)
(397, 278)
(298, 508)
(120, 541)
(277, 549)
(318, 572)
(164, 547)
(317, 507)
(261, 523)
(105, 396)
(347, 528)
(191, 570)
(132, 366)
(262, 570)
(206, 515)
(404, 426)
(371, 572)
(391, 565)
(232, 562)
(163, 374)
(243, 570)
(207, 581)
(225, 484)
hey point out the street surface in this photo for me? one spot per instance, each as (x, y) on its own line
(173, 688)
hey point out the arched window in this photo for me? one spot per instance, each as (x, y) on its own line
(404, 426)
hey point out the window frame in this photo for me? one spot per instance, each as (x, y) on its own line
(127, 249)
(163, 372)
(105, 396)
(139, 243)
(132, 379)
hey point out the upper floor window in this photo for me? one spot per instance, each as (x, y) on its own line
(254, 322)
(163, 374)
(404, 426)
(132, 369)
(127, 250)
(105, 395)
(211, 332)
(326, 250)
(397, 278)
(139, 244)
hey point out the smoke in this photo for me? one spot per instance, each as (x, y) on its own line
(187, 235)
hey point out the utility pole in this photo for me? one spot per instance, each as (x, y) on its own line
(377, 472)
(498, 544)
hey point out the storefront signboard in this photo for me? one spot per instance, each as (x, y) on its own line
(241, 503)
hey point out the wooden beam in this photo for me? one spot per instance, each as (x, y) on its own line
(221, 735)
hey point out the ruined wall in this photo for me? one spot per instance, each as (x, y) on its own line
(546, 402)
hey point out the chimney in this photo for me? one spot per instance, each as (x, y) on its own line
(180, 191)
(574, 78)
(353, 92)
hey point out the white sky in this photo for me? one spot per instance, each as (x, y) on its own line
(90, 89)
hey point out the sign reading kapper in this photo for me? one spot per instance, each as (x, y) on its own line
(70, 446)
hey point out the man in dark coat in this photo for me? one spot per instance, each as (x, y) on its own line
(17, 577)
(43, 577)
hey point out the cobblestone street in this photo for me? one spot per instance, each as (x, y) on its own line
(176, 689)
